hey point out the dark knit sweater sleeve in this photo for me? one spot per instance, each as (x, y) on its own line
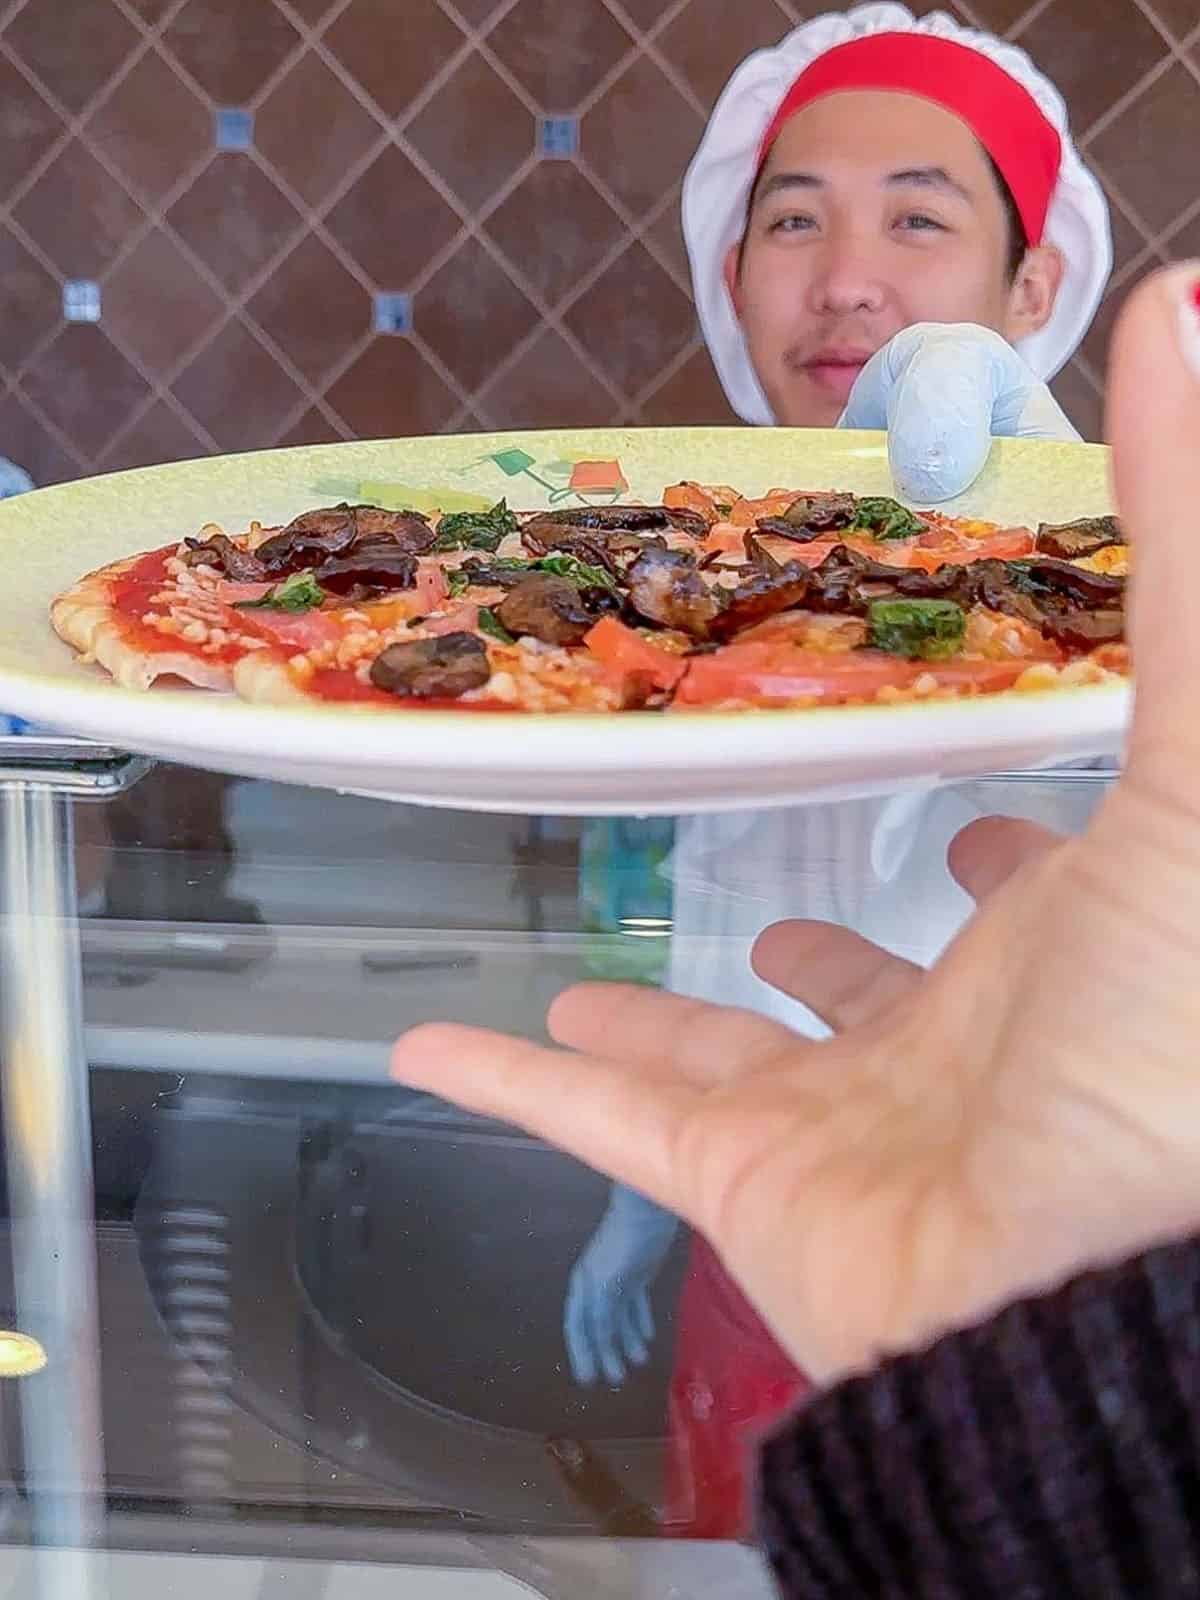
(1051, 1453)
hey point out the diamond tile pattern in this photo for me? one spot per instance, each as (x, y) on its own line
(392, 50)
(158, 434)
(85, 385)
(633, 320)
(79, 215)
(640, 136)
(474, 132)
(30, 302)
(558, 51)
(129, 129)
(238, 391)
(311, 128)
(73, 55)
(472, 314)
(230, 47)
(157, 305)
(392, 220)
(312, 308)
(28, 127)
(708, 39)
(385, 154)
(235, 219)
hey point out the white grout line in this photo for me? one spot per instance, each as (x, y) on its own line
(1026, 19)
(1121, 201)
(64, 442)
(1156, 22)
(74, 123)
(309, 33)
(1131, 95)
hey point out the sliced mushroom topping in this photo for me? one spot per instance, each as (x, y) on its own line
(220, 551)
(623, 519)
(1071, 540)
(547, 607)
(666, 586)
(333, 531)
(308, 538)
(1091, 589)
(812, 516)
(1086, 629)
(761, 596)
(780, 528)
(372, 570)
(433, 669)
(409, 529)
(598, 550)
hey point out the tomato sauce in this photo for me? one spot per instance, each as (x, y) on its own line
(133, 595)
(340, 685)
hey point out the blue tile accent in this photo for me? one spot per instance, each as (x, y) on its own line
(233, 128)
(393, 313)
(81, 300)
(558, 137)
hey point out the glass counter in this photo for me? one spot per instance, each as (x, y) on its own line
(286, 1326)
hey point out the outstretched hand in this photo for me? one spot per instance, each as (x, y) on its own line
(1027, 1107)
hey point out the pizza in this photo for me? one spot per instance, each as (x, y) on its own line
(710, 600)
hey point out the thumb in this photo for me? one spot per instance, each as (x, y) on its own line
(935, 387)
(1154, 424)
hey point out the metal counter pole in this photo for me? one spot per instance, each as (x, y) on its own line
(48, 1145)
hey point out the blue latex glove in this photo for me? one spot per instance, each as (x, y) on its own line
(607, 1321)
(944, 391)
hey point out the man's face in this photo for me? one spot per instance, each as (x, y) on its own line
(874, 211)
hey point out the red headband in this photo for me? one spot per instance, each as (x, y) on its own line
(999, 111)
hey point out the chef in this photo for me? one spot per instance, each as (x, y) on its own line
(888, 226)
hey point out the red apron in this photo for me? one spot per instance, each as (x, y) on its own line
(730, 1382)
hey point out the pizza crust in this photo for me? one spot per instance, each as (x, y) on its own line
(84, 616)
(265, 679)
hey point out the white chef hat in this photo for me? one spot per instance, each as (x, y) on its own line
(1016, 114)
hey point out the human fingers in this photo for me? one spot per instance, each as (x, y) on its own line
(628, 1320)
(1154, 425)
(664, 1033)
(985, 854)
(602, 1318)
(934, 388)
(580, 1357)
(610, 1113)
(645, 1315)
(837, 973)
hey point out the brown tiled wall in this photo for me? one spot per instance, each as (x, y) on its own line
(396, 149)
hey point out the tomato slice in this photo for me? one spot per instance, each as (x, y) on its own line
(688, 496)
(768, 672)
(939, 546)
(625, 651)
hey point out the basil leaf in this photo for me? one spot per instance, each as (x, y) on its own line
(580, 573)
(886, 519)
(300, 592)
(925, 630)
(475, 530)
(490, 624)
